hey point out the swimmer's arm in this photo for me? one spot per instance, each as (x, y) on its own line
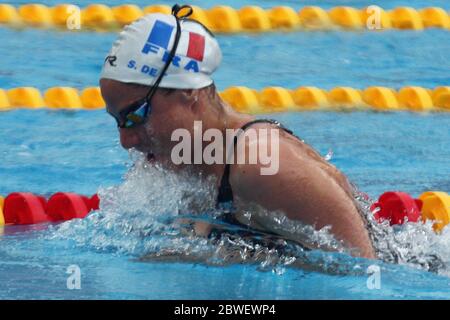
(304, 192)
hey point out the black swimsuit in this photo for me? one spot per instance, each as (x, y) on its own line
(224, 203)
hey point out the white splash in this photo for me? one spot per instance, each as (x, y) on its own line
(137, 218)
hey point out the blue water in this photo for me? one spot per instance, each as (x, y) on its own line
(45, 151)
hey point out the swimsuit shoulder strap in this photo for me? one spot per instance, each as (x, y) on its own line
(225, 192)
(248, 124)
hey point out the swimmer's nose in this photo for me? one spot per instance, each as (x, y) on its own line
(128, 138)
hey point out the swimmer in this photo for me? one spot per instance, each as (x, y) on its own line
(157, 79)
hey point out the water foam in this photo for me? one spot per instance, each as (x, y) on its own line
(139, 218)
(413, 244)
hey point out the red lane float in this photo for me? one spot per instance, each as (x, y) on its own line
(67, 206)
(27, 208)
(95, 202)
(395, 207)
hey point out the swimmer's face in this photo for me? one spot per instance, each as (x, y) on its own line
(153, 136)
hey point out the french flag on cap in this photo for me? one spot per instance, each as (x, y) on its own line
(160, 36)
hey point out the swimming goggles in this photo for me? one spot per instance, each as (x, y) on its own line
(139, 111)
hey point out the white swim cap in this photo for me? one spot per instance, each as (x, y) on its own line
(143, 48)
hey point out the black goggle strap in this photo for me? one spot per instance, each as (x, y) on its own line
(175, 10)
(135, 118)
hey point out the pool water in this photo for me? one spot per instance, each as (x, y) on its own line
(45, 151)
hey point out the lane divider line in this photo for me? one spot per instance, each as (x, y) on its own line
(396, 207)
(20, 208)
(225, 19)
(247, 100)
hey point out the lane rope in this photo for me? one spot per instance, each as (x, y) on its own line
(247, 100)
(225, 19)
(396, 207)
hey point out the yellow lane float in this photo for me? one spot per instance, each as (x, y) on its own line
(406, 18)
(375, 18)
(200, 15)
(62, 97)
(65, 14)
(308, 98)
(346, 17)
(441, 97)
(127, 13)
(254, 18)
(157, 9)
(435, 18)
(224, 19)
(36, 15)
(415, 99)
(436, 207)
(381, 98)
(314, 18)
(4, 101)
(98, 16)
(91, 98)
(283, 17)
(27, 97)
(2, 219)
(276, 99)
(9, 15)
(345, 97)
(242, 99)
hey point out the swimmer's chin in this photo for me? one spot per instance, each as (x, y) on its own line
(161, 161)
(153, 160)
